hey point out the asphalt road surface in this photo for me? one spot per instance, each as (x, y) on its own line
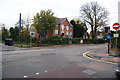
(56, 62)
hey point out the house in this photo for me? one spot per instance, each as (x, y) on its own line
(63, 27)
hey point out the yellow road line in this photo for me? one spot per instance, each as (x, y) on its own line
(85, 55)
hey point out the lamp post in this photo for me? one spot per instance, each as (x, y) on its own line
(19, 27)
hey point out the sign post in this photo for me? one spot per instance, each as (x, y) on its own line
(116, 26)
(108, 39)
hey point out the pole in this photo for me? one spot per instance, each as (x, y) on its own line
(108, 48)
(116, 45)
(110, 43)
(30, 39)
(19, 26)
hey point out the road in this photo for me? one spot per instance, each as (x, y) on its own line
(56, 62)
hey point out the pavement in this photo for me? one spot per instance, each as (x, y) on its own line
(11, 48)
(14, 48)
(102, 56)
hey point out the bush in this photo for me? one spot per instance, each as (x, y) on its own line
(101, 41)
(22, 45)
(34, 40)
(87, 41)
(76, 40)
(94, 41)
(56, 40)
(53, 40)
(114, 42)
(65, 41)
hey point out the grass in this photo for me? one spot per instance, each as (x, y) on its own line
(1, 42)
(113, 51)
(23, 45)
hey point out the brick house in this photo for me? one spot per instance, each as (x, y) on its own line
(63, 27)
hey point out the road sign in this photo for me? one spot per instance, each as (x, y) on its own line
(116, 35)
(116, 26)
(108, 36)
(32, 34)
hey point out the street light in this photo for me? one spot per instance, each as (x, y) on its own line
(19, 27)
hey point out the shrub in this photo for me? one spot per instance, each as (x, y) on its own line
(34, 40)
(87, 41)
(94, 41)
(76, 40)
(101, 41)
(114, 42)
(65, 41)
(53, 40)
(56, 40)
(22, 45)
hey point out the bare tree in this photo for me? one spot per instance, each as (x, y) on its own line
(94, 15)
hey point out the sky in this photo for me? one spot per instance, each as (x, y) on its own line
(10, 9)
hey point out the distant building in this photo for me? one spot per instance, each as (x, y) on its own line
(119, 11)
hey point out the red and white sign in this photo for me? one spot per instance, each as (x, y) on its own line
(116, 26)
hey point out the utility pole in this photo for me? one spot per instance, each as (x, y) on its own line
(19, 27)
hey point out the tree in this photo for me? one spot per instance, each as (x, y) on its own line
(78, 30)
(11, 30)
(14, 33)
(44, 21)
(25, 35)
(94, 15)
(5, 32)
(73, 22)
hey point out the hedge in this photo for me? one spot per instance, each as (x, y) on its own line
(114, 42)
(54, 40)
(94, 41)
(76, 40)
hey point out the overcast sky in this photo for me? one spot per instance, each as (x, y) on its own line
(10, 9)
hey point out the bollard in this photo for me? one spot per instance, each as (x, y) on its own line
(108, 48)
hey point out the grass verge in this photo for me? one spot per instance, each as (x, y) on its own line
(23, 45)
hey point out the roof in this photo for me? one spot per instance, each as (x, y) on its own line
(60, 20)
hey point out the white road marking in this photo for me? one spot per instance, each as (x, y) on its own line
(63, 66)
(90, 72)
(37, 73)
(25, 76)
(32, 60)
(46, 71)
(26, 51)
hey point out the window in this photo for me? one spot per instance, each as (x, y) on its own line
(56, 25)
(67, 27)
(62, 31)
(62, 27)
(70, 33)
(67, 33)
(56, 31)
(70, 28)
